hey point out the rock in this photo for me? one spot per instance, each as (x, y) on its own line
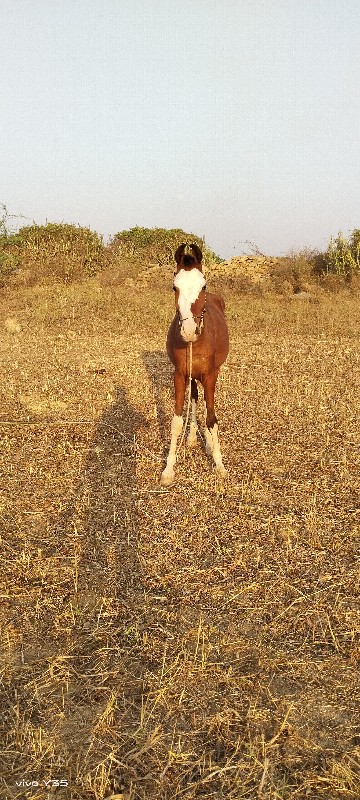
(12, 325)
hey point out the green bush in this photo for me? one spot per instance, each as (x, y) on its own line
(343, 255)
(154, 245)
(53, 251)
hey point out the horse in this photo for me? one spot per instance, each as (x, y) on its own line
(198, 334)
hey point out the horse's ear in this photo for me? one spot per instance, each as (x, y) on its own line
(179, 253)
(197, 252)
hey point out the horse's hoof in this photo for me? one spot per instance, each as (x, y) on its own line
(221, 471)
(167, 478)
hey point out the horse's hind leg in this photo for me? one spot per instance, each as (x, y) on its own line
(211, 429)
(191, 439)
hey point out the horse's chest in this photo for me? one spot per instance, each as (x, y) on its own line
(201, 362)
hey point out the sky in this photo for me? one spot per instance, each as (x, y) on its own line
(236, 120)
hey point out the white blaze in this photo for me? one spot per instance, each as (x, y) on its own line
(189, 283)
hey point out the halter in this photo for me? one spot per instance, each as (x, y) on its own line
(199, 317)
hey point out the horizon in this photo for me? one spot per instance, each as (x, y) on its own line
(252, 249)
(239, 124)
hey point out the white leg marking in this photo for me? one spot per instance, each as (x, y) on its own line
(168, 475)
(209, 445)
(216, 452)
(191, 439)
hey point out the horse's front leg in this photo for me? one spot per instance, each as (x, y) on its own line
(168, 474)
(211, 429)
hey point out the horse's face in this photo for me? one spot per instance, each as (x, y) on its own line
(190, 300)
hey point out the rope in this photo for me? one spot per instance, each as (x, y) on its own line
(188, 404)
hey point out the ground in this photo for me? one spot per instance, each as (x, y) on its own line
(197, 642)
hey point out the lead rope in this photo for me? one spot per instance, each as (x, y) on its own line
(188, 404)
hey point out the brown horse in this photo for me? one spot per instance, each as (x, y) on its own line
(200, 324)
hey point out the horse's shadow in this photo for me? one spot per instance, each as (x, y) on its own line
(160, 375)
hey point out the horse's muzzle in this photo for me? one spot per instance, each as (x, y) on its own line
(190, 333)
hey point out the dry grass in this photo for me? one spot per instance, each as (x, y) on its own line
(201, 642)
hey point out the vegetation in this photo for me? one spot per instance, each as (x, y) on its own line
(8, 247)
(155, 245)
(60, 252)
(343, 255)
(66, 253)
(9, 256)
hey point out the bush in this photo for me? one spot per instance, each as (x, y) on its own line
(154, 245)
(8, 246)
(9, 256)
(343, 255)
(292, 273)
(53, 251)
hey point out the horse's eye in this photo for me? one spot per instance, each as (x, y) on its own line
(174, 288)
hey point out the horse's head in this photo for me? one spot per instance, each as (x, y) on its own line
(186, 260)
(190, 292)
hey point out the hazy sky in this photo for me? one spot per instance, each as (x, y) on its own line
(236, 119)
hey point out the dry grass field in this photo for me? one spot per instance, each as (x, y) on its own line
(197, 642)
